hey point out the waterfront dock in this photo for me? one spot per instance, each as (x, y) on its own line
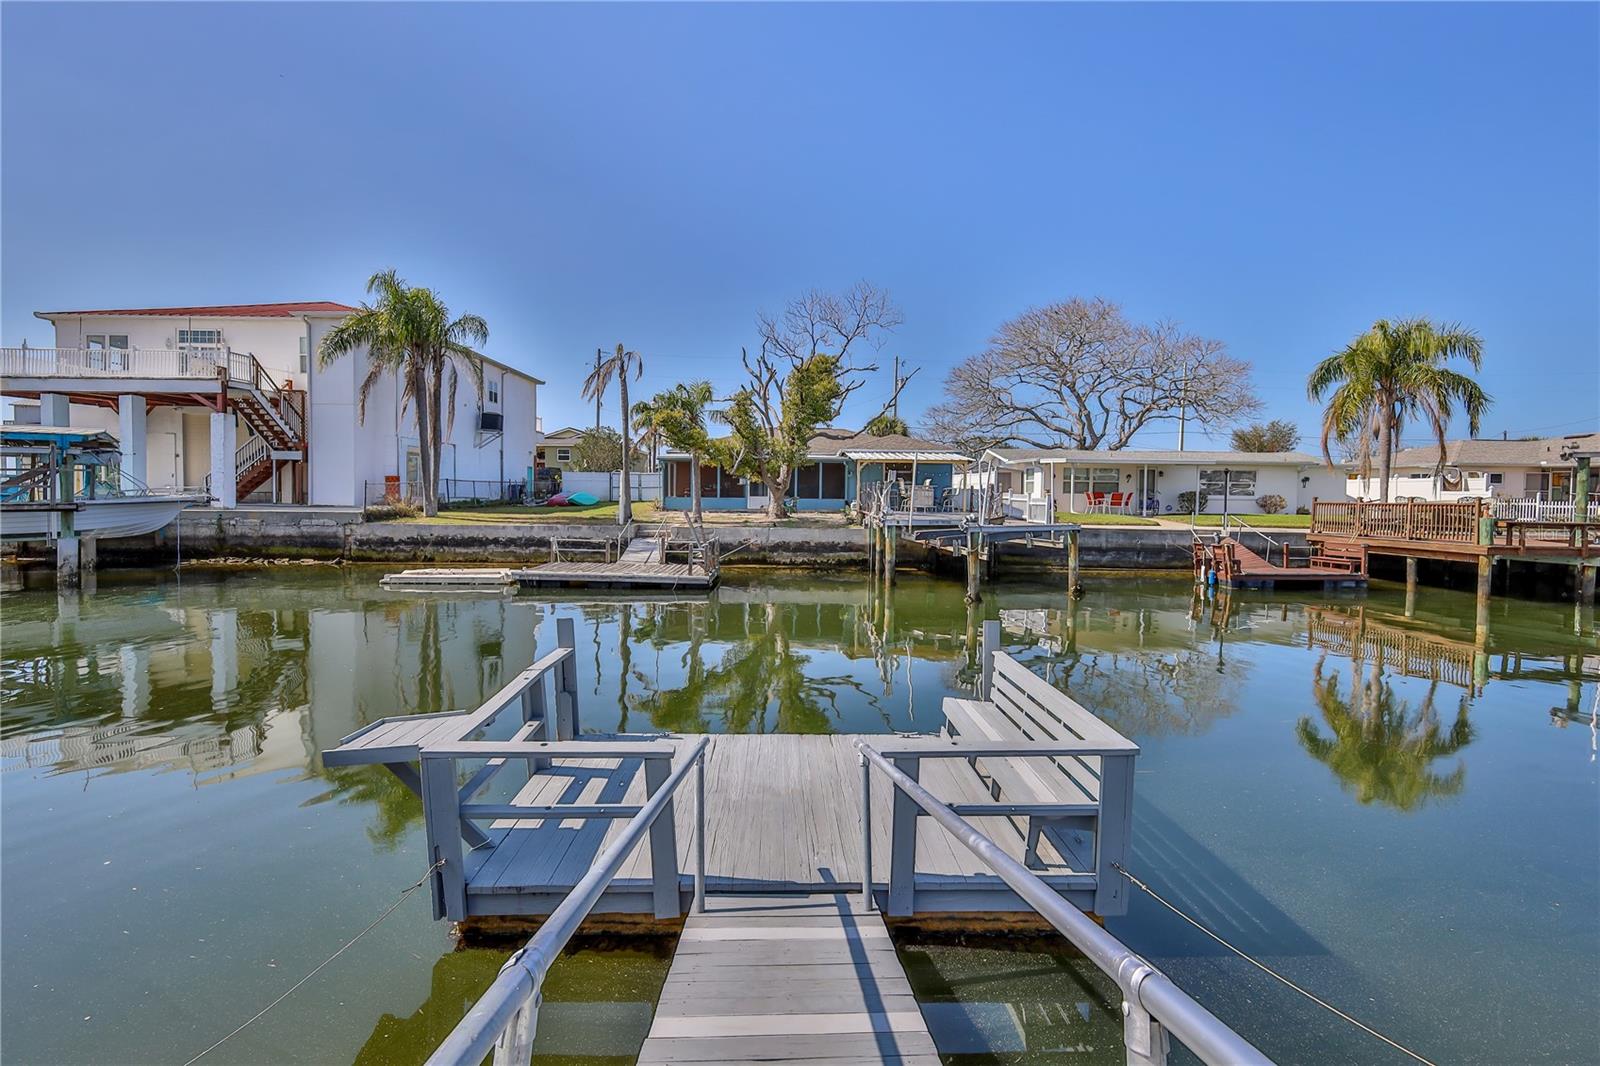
(792, 850)
(651, 560)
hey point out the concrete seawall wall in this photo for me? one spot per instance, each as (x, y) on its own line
(334, 534)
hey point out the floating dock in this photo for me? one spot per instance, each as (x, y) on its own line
(790, 849)
(1230, 564)
(492, 579)
(651, 561)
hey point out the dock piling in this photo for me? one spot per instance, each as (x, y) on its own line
(1485, 574)
(1074, 585)
(972, 568)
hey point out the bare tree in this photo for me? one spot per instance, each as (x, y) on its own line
(812, 357)
(1079, 374)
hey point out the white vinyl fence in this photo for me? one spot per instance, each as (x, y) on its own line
(1544, 510)
(608, 486)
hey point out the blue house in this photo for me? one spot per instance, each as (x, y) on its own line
(841, 462)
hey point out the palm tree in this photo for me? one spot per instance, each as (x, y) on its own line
(679, 417)
(617, 365)
(408, 331)
(1392, 372)
(647, 423)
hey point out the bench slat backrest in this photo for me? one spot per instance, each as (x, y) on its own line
(1045, 712)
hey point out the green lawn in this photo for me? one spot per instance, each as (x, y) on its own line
(1086, 518)
(510, 514)
(1263, 521)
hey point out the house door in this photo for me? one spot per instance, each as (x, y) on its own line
(1145, 499)
(757, 495)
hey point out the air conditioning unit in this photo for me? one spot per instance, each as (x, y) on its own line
(490, 422)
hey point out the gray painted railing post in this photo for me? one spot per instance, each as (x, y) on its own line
(990, 645)
(535, 705)
(663, 845)
(567, 725)
(866, 834)
(1113, 833)
(1143, 1037)
(441, 808)
(700, 835)
(903, 844)
(515, 1045)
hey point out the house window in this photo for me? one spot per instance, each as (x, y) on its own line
(563, 455)
(494, 392)
(732, 486)
(305, 358)
(1497, 479)
(1240, 482)
(113, 341)
(187, 337)
(1105, 479)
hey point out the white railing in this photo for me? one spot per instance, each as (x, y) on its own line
(250, 453)
(191, 362)
(1544, 510)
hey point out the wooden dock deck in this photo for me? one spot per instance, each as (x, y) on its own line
(1235, 566)
(783, 979)
(620, 574)
(783, 815)
(627, 561)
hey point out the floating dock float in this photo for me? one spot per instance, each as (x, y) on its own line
(445, 578)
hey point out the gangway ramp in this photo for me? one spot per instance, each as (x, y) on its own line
(779, 979)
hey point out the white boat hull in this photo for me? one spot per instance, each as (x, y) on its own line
(117, 516)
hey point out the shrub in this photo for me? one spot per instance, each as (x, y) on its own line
(1186, 502)
(392, 507)
(1302, 510)
(1271, 503)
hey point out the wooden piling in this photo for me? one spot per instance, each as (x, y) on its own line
(1586, 584)
(1074, 585)
(1411, 585)
(1485, 573)
(972, 568)
(891, 543)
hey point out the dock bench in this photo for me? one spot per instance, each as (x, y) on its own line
(1081, 805)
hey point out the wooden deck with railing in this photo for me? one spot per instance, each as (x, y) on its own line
(1459, 530)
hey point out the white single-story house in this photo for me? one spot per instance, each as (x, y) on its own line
(1150, 481)
(231, 398)
(842, 461)
(1486, 469)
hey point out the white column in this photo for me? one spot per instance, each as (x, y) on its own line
(131, 434)
(224, 438)
(54, 410)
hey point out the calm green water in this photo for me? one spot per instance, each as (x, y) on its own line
(1419, 847)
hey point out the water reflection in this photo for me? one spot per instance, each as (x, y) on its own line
(1382, 750)
(144, 690)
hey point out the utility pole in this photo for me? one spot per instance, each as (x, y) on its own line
(897, 387)
(1183, 407)
(597, 393)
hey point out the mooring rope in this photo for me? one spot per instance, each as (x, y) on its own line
(1264, 968)
(320, 966)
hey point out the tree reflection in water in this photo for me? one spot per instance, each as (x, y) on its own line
(759, 683)
(1381, 750)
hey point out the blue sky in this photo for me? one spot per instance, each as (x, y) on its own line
(1276, 176)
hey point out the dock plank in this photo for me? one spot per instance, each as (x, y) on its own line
(752, 974)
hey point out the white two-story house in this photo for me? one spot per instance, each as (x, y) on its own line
(231, 399)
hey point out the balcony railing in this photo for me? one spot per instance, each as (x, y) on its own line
(189, 362)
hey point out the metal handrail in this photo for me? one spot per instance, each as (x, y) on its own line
(505, 1017)
(1152, 1004)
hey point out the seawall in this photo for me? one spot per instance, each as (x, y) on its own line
(269, 533)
